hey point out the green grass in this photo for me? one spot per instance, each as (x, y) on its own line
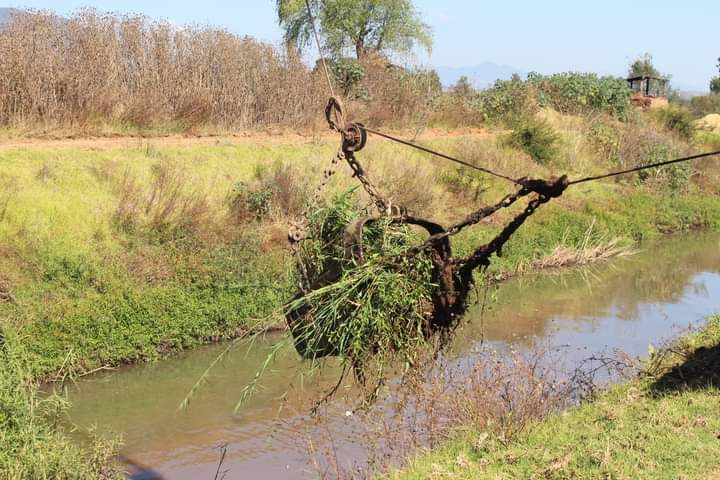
(635, 430)
(30, 445)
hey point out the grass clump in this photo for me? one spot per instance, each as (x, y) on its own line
(30, 445)
(536, 137)
(677, 120)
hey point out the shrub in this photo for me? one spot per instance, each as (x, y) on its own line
(348, 75)
(535, 137)
(507, 99)
(676, 176)
(677, 120)
(641, 145)
(576, 93)
(604, 138)
(465, 182)
(167, 208)
(571, 93)
(278, 192)
(704, 105)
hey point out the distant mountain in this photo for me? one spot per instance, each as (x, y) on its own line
(480, 76)
(6, 13)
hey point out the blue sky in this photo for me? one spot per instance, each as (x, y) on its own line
(547, 36)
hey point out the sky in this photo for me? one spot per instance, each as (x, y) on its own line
(544, 36)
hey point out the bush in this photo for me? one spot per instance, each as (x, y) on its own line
(571, 93)
(462, 181)
(348, 75)
(576, 93)
(604, 138)
(704, 105)
(677, 120)
(279, 192)
(168, 208)
(507, 99)
(676, 177)
(535, 137)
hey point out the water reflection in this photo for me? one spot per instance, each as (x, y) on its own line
(626, 304)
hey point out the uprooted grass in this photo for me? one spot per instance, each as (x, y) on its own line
(377, 306)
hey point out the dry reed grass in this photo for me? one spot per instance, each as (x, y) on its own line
(169, 208)
(493, 395)
(94, 70)
(99, 67)
(565, 256)
(8, 189)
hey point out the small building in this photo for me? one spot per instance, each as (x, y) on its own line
(648, 92)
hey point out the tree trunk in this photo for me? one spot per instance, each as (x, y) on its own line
(360, 48)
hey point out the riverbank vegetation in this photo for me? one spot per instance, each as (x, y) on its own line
(124, 255)
(662, 424)
(114, 255)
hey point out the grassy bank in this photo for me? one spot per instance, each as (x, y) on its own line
(30, 444)
(122, 255)
(663, 425)
(117, 255)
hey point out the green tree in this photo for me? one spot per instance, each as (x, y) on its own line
(463, 88)
(364, 26)
(715, 82)
(644, 66)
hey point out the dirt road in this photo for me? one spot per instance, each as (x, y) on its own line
(246, 138)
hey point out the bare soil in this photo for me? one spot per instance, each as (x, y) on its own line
(269, 137)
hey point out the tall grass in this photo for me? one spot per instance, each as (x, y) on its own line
(95, 70)
(91, 66)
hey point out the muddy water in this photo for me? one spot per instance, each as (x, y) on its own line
(627, 304)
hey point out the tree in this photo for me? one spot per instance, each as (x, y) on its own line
(644, 66)
(364, 26)
(715, 82)
(463, 88)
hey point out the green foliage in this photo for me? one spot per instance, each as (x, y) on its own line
(715, 85)
(676, 119)
(711, 139)
(382, 26)
(375, 309)
(465, 182)
(276, 192)
(570, 93)
(604, 137)
(715, 82)
(252, 200)
(704, 105)
(349, 75)
(30, 447)
(535, 137)
(676, 176)
(577, 93)
(644, 66)
(507, 99)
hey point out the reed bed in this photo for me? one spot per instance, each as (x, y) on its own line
(94, 67)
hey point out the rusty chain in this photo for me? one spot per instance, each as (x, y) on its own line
(353, 139)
